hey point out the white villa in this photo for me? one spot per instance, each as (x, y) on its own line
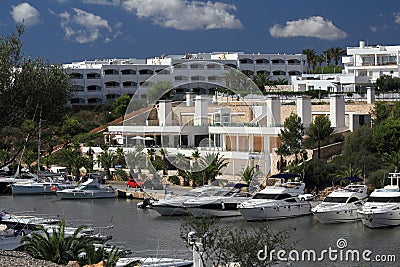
(362, 66)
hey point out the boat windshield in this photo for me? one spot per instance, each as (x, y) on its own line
(270, 196)
(384, 199)
(335, 199)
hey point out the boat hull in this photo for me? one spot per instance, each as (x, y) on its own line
(337, 216)
(381, 220)
(85, 195)
(198, 212)
(275, 212)
(167, 210)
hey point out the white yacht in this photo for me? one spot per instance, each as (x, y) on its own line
(342, 204)
(277, 201)
(43, 186)
(173, 205)
(153, 262)
(383, 206)
(87, 190)
(223, 203)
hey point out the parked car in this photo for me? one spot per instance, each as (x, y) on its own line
(134, 183)
(153, 184)
(307, 197)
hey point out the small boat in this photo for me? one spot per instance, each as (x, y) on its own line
(10, 239)
(22, 221)
(342, 205)
(153, 262)
(88, 190)
(278, 201)
(44, 186)
(173, 205)
(382, 208)
(223, 203)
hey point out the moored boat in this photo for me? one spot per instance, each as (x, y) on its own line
(383, 206)
(90, 189)
(341, 205)
(223, 203)
(173, 205)
(278, 201)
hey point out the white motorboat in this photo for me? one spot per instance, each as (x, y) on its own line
(88, 190)
(45, 186)
(223, 203)
(153, 262)
(277, 201)
(28, 221)
(173, 205)
(383, 206)
(10, 239)
(342, 204)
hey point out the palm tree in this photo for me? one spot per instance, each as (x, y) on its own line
(349, 171)
(336, 53)
(151, 152)
(311, 54)
(107, 160)
(180, 161)
(164, 155)
(261, 80)
(212, 165)
(53, 245)
(248, 174)
(327, 56)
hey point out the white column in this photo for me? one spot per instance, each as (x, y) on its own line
(273, 111)
(370, 95)
(303, 104)
(337, 110)
(164, 113)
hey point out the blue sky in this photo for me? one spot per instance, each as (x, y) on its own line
(74, 30)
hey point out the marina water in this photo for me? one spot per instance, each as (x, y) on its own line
(148, 234)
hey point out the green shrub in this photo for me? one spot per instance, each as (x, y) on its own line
(174, 179)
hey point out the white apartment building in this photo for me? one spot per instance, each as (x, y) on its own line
(362, 66)
(372, 61)
(99, 81)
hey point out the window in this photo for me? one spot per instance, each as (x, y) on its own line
(293, 62)
(145, 71)
(111, 84)
(246, 61)
(92, 88)
(93, 75)
(129, 84)
(196, 66)
(110, 72)
(128, 72)
(262, 61)
(278, 61)
(76, 75)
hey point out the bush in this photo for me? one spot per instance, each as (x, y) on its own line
(174, 179)
(121, 175)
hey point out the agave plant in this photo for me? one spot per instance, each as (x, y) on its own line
(55, 246)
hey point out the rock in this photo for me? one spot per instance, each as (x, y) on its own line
(100, 264)
(73, 264)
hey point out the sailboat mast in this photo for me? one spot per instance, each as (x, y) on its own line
(38, 160)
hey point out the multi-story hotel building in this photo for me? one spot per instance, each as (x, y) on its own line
(99, 81)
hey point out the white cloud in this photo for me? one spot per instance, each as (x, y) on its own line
(25, 13)
(373, 28)
(315, 26)
(82, 26)
(185, 15)
(397, 18)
